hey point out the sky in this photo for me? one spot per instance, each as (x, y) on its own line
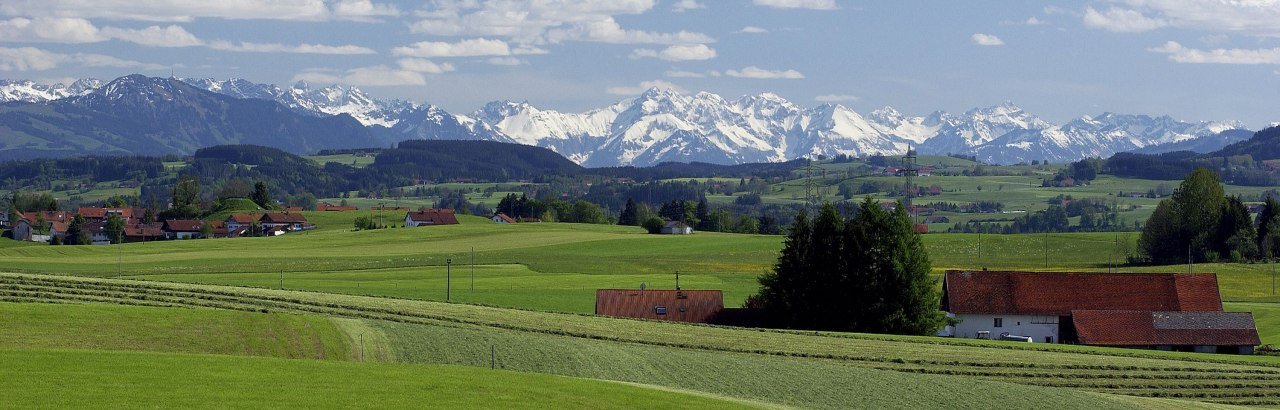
(1192, 59)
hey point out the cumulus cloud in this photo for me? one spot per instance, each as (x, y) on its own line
(644, 86)
(679, 52)
(509, 61)
(375, 76)
(34, 59)
(986, 39)
(49, 30)
(540, 22)
(188, 10)
(155, 36)
(465, 48)
(760, 73)
(835, 98)
(420, 65)
(290, 48)
(1179, 53)
(1121, 20)
(752, 30)
(685, 5)
(1255, 18)
(798, 4)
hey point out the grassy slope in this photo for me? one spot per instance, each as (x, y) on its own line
(119, 379)
(113, 327)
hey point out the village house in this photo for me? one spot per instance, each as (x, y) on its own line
(144, 232)
(694, 306)
(329, 207)
(238, 223)
(676, 228)
(502, 218)
(1166, 311)
(283, 221)
(430, 216)
(101, 214)
(182, 228)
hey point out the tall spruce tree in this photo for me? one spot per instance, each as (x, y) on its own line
(1266, 228)
(869, 274)
(262, 196)
(629, 216)
(76, 235)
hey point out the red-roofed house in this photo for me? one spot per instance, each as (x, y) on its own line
(1094, 309)
(182, 228)
(430, 216)
(502, 218)
(283, 221)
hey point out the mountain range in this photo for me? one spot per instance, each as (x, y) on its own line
(660, 125)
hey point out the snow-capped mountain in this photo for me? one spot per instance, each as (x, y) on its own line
(30, 91)
(665, 125)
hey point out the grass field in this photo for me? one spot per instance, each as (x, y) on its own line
(42, 378)
(111, 327)
(778, 367)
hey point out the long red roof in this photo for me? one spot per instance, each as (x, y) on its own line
(1145, 328)
(1060, 293)
(697, 306)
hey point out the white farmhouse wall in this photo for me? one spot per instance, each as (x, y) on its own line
(1037, 327)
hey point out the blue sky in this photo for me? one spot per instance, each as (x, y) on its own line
(1193, 59)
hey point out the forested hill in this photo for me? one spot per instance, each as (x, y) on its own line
(1241, 163)
(1264, 145)
(478, 160)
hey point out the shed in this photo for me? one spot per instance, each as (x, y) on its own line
(1210, 332)
(502, 218)
(676, 228)
(430, 216)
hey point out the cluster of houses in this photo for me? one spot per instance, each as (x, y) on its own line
(1163, 311)
(56, 224)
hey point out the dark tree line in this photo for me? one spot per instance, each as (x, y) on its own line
(1200, 223)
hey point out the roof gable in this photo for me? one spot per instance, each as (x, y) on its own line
(433, 216)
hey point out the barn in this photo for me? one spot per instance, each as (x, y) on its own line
(1167, 311)
(694, 306)
(430, 216)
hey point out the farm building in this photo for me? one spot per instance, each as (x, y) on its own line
(696, 306)
(502, 218)
(236, 222)
(182, 228)
(328, 207)
(676, 228)
(144, 232)
(283, 221)
(430, 216)
(1167, 311)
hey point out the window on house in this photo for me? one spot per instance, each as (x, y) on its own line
(661, 310)
(1048, 339)
(999, 322)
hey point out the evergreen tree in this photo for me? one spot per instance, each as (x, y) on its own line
(1265, 227)
(1236, 237)
(702, 213)
(1187, 220)
(115, 228)
(630, 216)
(262, 196)
(783, 295)
(186, 198)
(76, 235)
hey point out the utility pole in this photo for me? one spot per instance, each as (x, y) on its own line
(677, 280)
(448, 278)
(120, 254)
(473, 268)
(282, 279)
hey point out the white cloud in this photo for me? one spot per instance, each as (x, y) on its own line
(419, 65)
(986, 39)
(644, 86)
(1033, 21)
(1245, 17)
(188, 10)
(1179, 53)
(1121, 20)
(540, 22)
(287, 48)
(760, 73)
(375, 76)
(510, 61)
(34, 59)
(683, 74)
(752, 30)
(607, 30)
(685, 5)
(363, 10)
(49, 30)
(465, 48)
(834, 98)
(155, 36)
(679, 52)
(798, 4)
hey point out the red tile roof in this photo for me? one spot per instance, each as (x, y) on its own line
(101, 213)
(434, 216)
(143, 231)
(1146, 328)
(697, 306)
(283, 218)
(505, 218)
(1059, 293)
(242, 219)
(183, 225)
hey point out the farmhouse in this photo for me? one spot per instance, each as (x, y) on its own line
(283, 221)
(143, 232)
(502, 218)
(695, 306)
(182, 228)
(1166, 311)
(238, 222)
(676, 228)
(430, 216)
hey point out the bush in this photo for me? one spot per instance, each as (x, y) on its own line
(653, 225)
